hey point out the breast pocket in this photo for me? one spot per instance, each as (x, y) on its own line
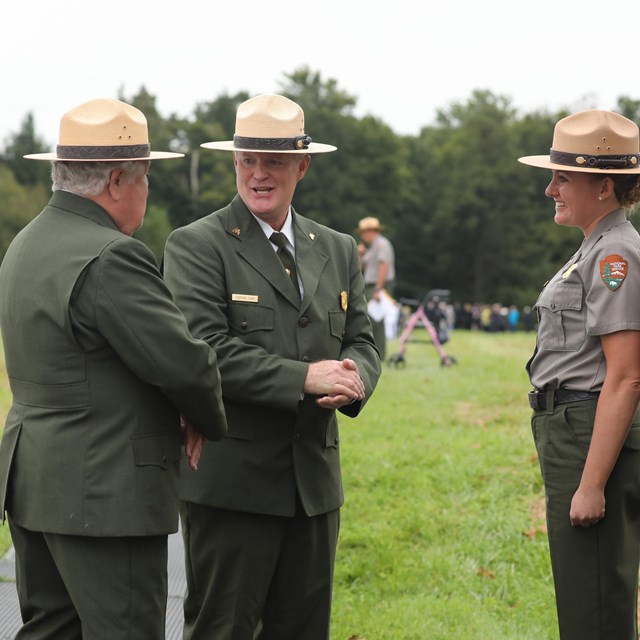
(562, 324)
(337, 324)
(246, 318)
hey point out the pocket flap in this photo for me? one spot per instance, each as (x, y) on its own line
(156, 450)
(337, 323)
(245, 317)
(560, 297)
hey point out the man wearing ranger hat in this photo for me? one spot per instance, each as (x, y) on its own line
(101, 363)
(281, 300)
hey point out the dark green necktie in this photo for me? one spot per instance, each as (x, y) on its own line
(289, 264)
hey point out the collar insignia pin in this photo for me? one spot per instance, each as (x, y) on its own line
(312, 236)
(236, 231)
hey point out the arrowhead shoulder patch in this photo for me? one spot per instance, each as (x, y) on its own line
(613, 271)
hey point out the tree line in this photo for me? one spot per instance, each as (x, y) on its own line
(461, 212)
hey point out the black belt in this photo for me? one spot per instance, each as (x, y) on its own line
(538, 399)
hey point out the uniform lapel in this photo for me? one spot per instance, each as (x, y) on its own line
(256, 250)
(310, 259)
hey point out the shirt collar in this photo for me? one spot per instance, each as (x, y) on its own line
(287, 228)
(611, 220)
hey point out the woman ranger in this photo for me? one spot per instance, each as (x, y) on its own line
(586, 377)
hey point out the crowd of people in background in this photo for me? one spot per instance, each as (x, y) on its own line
(491, 317)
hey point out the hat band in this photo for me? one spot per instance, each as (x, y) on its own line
(273, 144)
(595, 162)
(118, 152)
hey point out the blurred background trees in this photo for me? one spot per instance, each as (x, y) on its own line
(461, 213)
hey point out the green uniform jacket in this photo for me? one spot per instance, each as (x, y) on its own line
(100, 362)
(228, 280)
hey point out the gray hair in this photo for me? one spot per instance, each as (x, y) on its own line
(91, 178)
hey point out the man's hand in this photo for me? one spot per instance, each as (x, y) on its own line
(193, 443)
(337, 382)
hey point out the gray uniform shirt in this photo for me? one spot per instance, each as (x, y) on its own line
(597, 292)
(380, 250)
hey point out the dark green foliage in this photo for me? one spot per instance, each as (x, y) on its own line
(155, 230)
(462, 213)
(27, 172)
(20, 203)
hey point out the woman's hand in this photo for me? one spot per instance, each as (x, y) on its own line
(587, 507)
(616, 409)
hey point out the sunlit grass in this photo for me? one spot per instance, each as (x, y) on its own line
(442, 534)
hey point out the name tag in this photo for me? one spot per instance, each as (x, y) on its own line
(243, 297)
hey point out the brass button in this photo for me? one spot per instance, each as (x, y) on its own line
(303, 322)
(306, 359)
(243, 325)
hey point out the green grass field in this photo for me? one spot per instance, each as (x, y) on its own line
(442, 533)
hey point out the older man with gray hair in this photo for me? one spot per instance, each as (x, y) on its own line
(101, 365)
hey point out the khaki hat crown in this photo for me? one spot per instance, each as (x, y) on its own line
(277, 115)
(103, 130)
(595, 141)
(369, 224)
(270, 123)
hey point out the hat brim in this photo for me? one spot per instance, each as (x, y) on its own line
(544, 162)
(227, 145)
(53, 157)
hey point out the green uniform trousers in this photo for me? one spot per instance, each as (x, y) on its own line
(595, 569)
(81, 587)
(257, 576)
